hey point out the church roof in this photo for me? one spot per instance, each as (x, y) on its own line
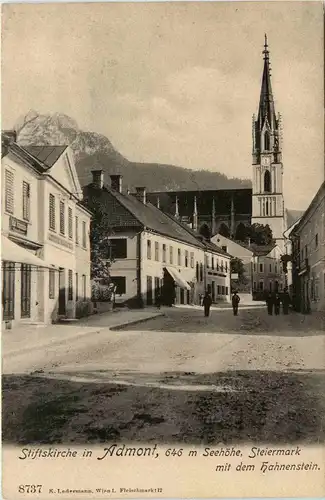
(266, 106)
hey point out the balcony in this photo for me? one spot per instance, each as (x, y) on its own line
(304, 267)
(18, 226)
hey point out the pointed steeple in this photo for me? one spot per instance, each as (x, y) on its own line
(195, 218)
(176, 209)
(266, 109)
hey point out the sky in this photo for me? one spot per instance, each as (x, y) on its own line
(174, 83)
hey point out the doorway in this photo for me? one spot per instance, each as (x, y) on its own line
(25, 291)
(62, 292)
(8, 290)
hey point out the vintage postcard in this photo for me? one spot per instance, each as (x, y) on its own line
(163, 250)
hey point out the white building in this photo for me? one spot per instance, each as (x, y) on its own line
(152, 252)
(45, 235)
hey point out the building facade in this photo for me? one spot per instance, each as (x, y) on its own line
(45, 235)
(151, 253)
(267, 271)
(308, 257)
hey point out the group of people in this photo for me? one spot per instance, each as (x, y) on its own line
(274, 300)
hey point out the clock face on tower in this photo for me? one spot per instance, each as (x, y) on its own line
(266, 161)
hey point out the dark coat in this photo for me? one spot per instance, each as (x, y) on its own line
(207, 301)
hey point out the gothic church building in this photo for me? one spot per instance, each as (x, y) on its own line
(229, 211)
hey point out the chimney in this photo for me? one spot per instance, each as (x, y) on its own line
(141, 194)
(98, 178)
(7, 138)
(116, 182)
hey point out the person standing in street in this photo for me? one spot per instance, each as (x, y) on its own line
(235, 303)
(269, 303)
(277, 303)
(207, 301)
(285, 301)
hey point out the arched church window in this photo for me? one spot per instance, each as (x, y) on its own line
(266, 207)
(267, 182)
(267, 141)
(224, 230)
(241, 232)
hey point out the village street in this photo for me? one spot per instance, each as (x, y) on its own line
(177, 378)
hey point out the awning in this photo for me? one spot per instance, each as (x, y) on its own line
(178, 278)
(11, 252)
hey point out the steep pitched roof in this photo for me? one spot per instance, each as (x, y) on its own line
(137, 214)
(262, 250)
(47, 155)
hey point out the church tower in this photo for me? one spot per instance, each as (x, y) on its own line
(267, 199)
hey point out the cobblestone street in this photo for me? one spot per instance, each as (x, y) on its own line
(176, 378)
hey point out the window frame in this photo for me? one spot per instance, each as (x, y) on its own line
(9, 191)
(26, 201)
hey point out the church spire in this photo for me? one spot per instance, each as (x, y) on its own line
(266, 109)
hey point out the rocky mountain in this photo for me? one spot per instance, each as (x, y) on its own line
(95, 151)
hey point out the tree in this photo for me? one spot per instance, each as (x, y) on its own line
(101, 255)
(237, 267)
(260, 234)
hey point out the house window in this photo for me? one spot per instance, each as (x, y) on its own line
(120, 283)
(186, 258)
(226, 290)
(224, 248)
(149, 249)
(171, 255)
(254, 285)
(179, 259)
(261, 268)
(316, 240)
(84, 235)
(70, 285)
(217, 264)
(221, 265)
(119, 248)
(26, 201)
(83, 284)
(197, 271)
(212, 263)
(77, 287)
(222, 290)
(156, 251)
(164, 252)
(219, 290)
(226, 266)
(52, 212)
(77, 230)
(51, 284)
(254, 268)
(261, 285)
(70, 228)
(9, 191)
(62, 217)
(192, 260)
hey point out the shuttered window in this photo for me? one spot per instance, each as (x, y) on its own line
(62, 217)
(77, 230)
(52, 212)
(84, 235)
(9, 191)
(70, 285)
(70, 228)
(77, 287)
(26, 201)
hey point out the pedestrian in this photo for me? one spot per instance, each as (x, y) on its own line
(235, 303)
(207, 301)
(285, 301)
(277, 303)
(158, 299)
(269, 303)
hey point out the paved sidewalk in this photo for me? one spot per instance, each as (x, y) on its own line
(25, 338)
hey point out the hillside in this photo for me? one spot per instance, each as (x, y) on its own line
(95, 151)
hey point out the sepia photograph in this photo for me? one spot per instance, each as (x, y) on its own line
(163, 249)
